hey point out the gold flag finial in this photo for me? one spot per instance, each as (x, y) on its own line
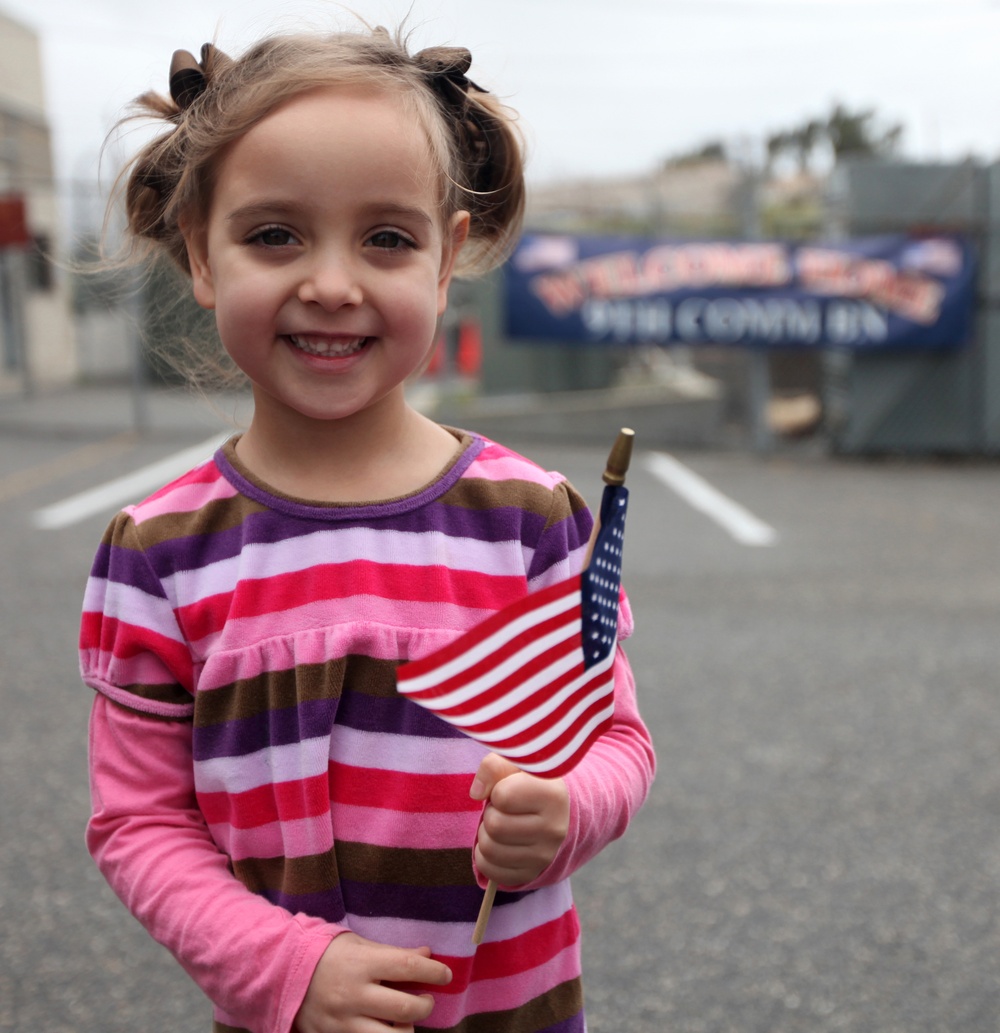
(620, 457)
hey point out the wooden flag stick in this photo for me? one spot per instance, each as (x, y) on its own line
(614, 474)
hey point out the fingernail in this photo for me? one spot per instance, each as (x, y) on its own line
(478, 790)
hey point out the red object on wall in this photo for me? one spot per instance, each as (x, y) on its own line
(469, 358)
(13, 222)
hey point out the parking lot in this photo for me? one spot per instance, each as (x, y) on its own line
(821, 851)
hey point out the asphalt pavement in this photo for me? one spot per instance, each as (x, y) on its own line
(821, 850)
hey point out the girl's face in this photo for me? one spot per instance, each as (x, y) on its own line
(325, 254)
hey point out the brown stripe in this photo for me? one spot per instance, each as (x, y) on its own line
(278, 690)
(211, 518)
(356, 862)
(559, 1004)
(402, 866)
(481, 495)
(171, 693)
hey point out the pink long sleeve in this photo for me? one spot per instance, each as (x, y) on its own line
(253, 959)
(608, 786)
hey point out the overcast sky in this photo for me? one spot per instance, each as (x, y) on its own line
(604, 87)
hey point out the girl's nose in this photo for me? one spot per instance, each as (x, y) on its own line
(331, 282)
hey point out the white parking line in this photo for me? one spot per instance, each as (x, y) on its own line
(130, 488)
(739, 522)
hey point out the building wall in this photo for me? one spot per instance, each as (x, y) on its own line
(39, 346)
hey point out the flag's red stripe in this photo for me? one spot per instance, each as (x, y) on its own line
(497, 724)
(543, 752)
(575, 758)
(508, 685)
(491, 625)
(542, 759)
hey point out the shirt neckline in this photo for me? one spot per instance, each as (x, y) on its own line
(246, 483)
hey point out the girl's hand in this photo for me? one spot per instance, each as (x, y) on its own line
(350, 991)
(524, 824)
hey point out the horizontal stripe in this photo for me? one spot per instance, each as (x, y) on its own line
(175, 706)
(289, 686)
(381, 827)
(521, 1003)
(309, 720)
(248, 737)
(300, 838)
(355, 611)
(499, 960)
(108, 647)
(256, 597)
(510, 918)
(305, 758)
(329, 548)
(186, 496)
(384, 750)
(310, 797)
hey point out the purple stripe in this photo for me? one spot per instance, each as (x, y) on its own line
(329, 905)
(418, 903)
(311, 719)
(561, 539)
(574, 1024)
(387, 900)
(126, 567)
(392, 715)
(194, 552)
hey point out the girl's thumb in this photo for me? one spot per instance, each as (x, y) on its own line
(492, 769)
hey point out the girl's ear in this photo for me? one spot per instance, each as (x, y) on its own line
(455, 235)
(201, 271)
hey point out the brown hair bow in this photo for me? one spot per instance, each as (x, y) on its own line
(445, 68)
(188, 77)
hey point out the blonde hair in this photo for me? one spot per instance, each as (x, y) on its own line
(473, 138)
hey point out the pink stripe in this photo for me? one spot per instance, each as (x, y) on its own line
(305, 837)
(301, 838)
(502, 467)
(141, 669)
(508, 992)
(381, 827)
(383, 617)
(183, 498)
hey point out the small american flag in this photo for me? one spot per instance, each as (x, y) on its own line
(534, 682)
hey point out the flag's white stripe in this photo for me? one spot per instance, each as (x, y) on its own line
(493, 644)
(547, 732)
(510, 699)
(550, 763)
(513, 694)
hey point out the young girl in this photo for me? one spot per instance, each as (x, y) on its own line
(310, 845)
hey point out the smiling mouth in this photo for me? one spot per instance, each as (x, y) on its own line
(326, 348)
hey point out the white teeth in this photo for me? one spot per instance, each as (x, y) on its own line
(327, 349)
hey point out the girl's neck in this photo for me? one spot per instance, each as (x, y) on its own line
(384, 452)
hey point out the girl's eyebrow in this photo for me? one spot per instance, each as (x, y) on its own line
(286, 209)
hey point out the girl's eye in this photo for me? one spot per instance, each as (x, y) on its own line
(390, 240)
(272, 236)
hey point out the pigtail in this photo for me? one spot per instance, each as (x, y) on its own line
(488, 174)
(494, 192)
(160, 173)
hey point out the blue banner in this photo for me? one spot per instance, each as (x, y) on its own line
(869, 293)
